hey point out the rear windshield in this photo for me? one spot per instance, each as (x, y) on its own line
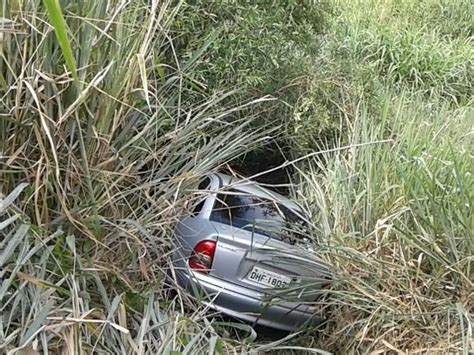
(253, 213)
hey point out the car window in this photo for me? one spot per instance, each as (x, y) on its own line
(203, 185)
(249, 212)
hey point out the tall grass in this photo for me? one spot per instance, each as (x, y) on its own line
(56, 298)
(427, 45)
(396, 222)
(91, 150)
(105, 166)
(96, 171)
(396, 219)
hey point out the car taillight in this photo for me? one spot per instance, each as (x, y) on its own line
(203, 253)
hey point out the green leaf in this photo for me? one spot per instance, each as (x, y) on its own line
(57, 21)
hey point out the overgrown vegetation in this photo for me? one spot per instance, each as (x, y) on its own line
(396, 222)
(257, 49)
(256, 46)
(395, 208)
(374, 98)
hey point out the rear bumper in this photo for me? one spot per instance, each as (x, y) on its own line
(246, 304)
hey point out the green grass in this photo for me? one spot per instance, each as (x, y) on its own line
(57, 21)
(402, 44)
(108, 165)
(396, 222)
(377, 110)
(396, 219)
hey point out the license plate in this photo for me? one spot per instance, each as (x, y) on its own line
(268, 278)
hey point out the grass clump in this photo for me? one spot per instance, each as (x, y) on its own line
(255, 47)
(396, 222)
(106, 164)
(259, 50)
(395, 218)
(370, 47)
(56, 297)
(408, 44)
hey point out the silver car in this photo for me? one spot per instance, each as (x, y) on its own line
(245, 251)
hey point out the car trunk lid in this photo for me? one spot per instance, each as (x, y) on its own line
(268, 265)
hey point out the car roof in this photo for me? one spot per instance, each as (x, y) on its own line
(253, 188)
